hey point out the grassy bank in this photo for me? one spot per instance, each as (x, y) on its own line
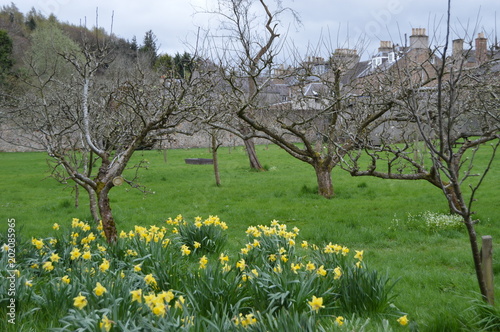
(434, 267)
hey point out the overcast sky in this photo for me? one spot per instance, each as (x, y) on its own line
(173, 21)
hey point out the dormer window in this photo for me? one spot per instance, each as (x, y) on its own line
(392, 57)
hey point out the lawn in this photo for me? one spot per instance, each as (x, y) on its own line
(434, 268)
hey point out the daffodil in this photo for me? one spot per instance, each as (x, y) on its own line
(321, 271)
(104, 265)
(241, 264)
(37, 243)
(185, 250)
(75, 253)
(359, 255)
(106, 323)
(66, 279)
(55, 226)
(339, 320)
(246, 320)
(137, 268)
(159, 309)
(203, 262)
(87, 255)
(136, 295)
(310, 266)
(403, 320)
(47, 266)
(223, 258)
(196, 245)
(80, 301)
(180, 302)
(295, 267)
(99, 289)
(316, 303)
(150, 280)
(54, 257)
(337, 272)
(166, 296)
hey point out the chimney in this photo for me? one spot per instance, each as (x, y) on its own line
(345, 57)
(458, 48)
(385, 46)
(481, 48)
(418, 39)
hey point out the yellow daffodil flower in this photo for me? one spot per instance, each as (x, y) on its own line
(310, 266)
(203, 262)
(104, 265)
(75, 253)
(106, 323)
(359, 255)
(47, 266)
(136, 295)
(321, 271)
(150, 280)
(80, 301)
(316, 303)
(54, 257)
(37, 243)
(185, 250)
(87, 255)
(403, 320)
(241, 264)
(337, 272)
(99, 289)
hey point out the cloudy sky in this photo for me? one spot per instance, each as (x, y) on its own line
(174, 23)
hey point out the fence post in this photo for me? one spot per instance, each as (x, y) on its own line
(487, 267)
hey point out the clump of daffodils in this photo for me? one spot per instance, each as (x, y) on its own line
(169, 275)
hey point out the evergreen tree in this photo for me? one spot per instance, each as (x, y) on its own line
(149, 48)
(6, 61)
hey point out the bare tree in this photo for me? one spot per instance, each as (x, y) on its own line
(243, 48)
(450, 112)
(92, 119)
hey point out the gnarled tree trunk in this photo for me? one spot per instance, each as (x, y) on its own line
(252, 154)
(108, 222)
(324, 177)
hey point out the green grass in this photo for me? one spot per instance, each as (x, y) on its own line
(435, 268)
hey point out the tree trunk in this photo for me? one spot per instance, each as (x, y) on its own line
(108, 222)
(252, 155)
(216, 160)
(476, 255)
(453, 201)
(324, 177)
(94, 208)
